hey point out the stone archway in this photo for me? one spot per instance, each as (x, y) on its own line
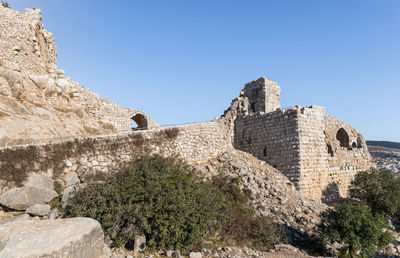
(141, 122)
(343, 137)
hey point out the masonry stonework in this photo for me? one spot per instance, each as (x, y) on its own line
(317, 152)
(272, 137)
(89, 156)
(263, 95)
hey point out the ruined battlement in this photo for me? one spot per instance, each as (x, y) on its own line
(317, 152)
(263, 95)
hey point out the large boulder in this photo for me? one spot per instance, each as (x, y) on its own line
(24, 197)
(39, 210)
(70, 193)
(40, 181)
(74, 237)
(38, 190)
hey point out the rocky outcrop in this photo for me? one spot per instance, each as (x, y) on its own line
(36, 100)
(271, 193)
(75, 237)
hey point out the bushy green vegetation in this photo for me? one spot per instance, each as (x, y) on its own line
(164, 200)
(395, 145)
(379, 189)
(363, 226)
(356, 227)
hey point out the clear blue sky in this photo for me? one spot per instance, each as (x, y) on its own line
(183, 61)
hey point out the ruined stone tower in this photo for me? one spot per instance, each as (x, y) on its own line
(317, 152)
(263, 95)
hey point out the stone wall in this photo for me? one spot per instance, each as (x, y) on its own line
(263, 95)
(303, 144)
(327, 168)
(345, 162)
(313, 150)
(272, 137)
(105, 154)
(123, 121)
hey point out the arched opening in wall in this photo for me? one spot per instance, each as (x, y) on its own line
(354, 145)
(253, 107)
(359, 143)
(330, 151)
(265, 152)
(343, 137)
(139, 122)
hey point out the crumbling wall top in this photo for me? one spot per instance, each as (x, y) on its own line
(23, 40)
(263, 95)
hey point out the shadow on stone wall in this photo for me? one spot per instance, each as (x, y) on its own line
(330, 193)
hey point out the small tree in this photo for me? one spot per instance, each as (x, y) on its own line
(356, 227)
(379, 189)
(5, 4)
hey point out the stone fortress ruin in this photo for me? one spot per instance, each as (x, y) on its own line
(317, 152)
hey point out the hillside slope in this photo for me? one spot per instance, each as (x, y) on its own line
(271, 193)
(387, 144)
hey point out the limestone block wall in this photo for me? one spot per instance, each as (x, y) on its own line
(345, 162)
(313, 151)
(263, 95)
(105, 154)
(327, 168)
(123, 121)
(272, 137)
(307, 146)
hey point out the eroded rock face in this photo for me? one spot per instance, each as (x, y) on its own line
(75, 237)
(36, 100)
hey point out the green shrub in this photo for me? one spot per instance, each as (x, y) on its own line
(239, 224)
(356, 227)
(379, 189)
(5, 4)
(163, 199)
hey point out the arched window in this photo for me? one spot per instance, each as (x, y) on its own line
(343, 138)
(354, 145)
(140, 121)
(359, 143)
